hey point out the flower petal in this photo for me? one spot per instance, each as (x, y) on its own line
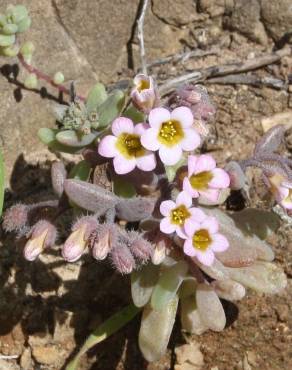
(206, 258)
(166, 226)
(150, 139)
(191, 227)
(220, 179)
(157, 116)
(107, 147)
(170, 156)
(210, 224)
(147, 162)
(191, 139)
(184, 198)
(183, 115)
(192, 162)
(205, 162)
(121, 125)
(140, 128)
(197, 214)
(189, 189)
(189, 250)
(166, 207)
(181, 232)
(211, 194)
(123, 165)
(219, 243)
(286, 203)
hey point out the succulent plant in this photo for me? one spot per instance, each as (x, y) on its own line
(159, 221)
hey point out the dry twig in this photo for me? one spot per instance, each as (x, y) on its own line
(224, 70)
(140, 35)
(183, 57)
(248, 79)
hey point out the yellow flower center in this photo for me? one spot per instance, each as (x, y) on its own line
(201, 240)
(179, 215)
(170, 133)
(129, 145)
(201, 180)
(143, 85)
(289, 196)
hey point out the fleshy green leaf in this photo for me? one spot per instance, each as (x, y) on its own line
(191, 320)
(156, 328)
(9, 29)
(24, 24)
(105, 330)
(7, 40)
(1, 183)
(134, 114)
(71, 138)
(123, 188)
(111, 108)
(81, 171)
(142, 284)
(168, 284)
(48, 137)
(18, 12)
(96, 96)
(171, 170)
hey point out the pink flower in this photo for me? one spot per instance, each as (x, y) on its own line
(177, 213)
(170, 134)
(282, 190)
(204, 178)
(144, 95)
(203, 239)
(126, 148)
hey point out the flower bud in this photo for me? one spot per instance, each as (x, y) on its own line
(238, 179)
(145, 94)
(77, 242)
(43, 235)
(58, 78)
(15, 218)
(282, 190)
(122, 259)
(101, 241)
(31, 81)
(142, 249)
(161, 249)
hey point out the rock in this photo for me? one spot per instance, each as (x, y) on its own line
(284, 118)
(26, 360)
(48, 355)
(282, 311)
(245, 19)
(182, 13)
(216, 7)
(8, 365)
(277, 17)
(189, 356)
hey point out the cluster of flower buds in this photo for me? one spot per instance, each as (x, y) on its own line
(126, 250)
(15, 20)
(76, 117)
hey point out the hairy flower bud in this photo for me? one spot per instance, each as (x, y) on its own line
(122, 259)
(102, 241)
(238, 179)
(77, 242)
(145, 94)
(282, 190)
(43, 235)
(15, 218)
(141, 248)
(197, 99)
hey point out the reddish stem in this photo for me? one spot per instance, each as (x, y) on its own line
(42, 76)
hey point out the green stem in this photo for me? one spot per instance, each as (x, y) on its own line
(105, 330)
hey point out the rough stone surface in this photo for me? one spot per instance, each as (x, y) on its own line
(277, 17)
(245, 18)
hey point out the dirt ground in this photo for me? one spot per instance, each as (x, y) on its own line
(48, 307)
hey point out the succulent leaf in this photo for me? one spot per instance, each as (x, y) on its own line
(156, 328)
(71, 138)
(96, 96)
(111, 108)
(142, 284)
(81, 171)
(168, 284)
(190, 317)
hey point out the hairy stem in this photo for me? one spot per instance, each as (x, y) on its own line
(42, 76)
